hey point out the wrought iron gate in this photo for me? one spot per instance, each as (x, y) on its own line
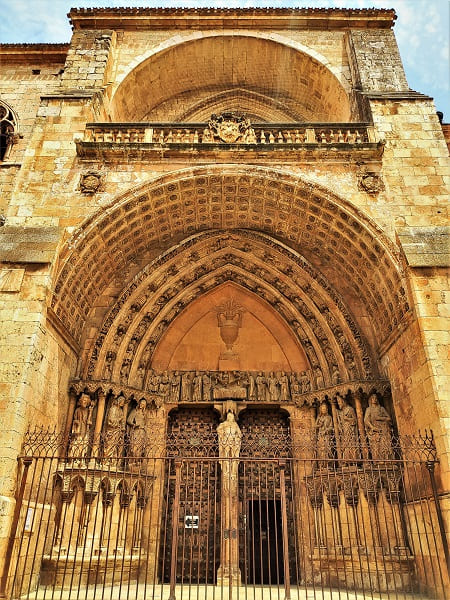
(168, 523)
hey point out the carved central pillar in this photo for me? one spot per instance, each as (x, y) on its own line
(230, 436)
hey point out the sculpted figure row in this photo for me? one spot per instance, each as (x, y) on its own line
(204, 386)
(378, 430)
(121, 425)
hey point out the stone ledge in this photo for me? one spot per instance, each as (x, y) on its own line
(425, 246)
(113, 152)
(28, 244)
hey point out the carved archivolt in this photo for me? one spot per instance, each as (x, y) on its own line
(131, 331)
(346, 248)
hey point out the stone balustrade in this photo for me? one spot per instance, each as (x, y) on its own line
(136, 139)
(198, 133)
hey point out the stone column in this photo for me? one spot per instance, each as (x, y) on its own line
(361, 428)
(98, 423)
(230, 436)
(302, 423)
(69, 419)
(337, 435)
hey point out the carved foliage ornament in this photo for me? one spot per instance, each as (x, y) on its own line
(229, 126)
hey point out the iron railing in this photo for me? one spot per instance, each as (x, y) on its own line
(180, 521)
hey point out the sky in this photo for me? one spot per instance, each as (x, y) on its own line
(422, 30)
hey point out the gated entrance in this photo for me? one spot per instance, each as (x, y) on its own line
(182, 518)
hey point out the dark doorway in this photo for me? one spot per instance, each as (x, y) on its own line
(265, 542)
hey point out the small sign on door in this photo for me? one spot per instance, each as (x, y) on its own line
(191, 521)
(29, 520)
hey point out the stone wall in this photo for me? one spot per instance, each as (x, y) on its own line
(40, 185)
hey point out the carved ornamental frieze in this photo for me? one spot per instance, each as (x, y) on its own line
(196, 387)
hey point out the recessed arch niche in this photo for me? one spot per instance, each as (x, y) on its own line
(196, 69)
(264, 341)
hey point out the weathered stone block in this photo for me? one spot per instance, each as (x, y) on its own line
(28, 244)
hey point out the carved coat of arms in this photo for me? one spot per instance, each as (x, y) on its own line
(229, 126)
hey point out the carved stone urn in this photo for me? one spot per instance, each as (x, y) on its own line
(229, 320)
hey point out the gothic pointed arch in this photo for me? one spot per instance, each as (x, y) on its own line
(9, 129)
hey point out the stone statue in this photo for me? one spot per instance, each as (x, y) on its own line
(335, 376)
(272, 386)
(378, 428)
(164, 385)
(197, 387)
(137, 422)
(261, 386)
(153, 383)
(208, 136)
(284, 387)
(324, 436)
(230, 437)
(304, 382)
(186, 390)
(175, 384)
(250, 136)
(81, 423)
(114, 428)
(207, 386)
(295, 386)
(125, 370)
(252, 394)
(319, 378)
(348, 430)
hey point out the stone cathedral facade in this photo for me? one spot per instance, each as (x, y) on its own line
(221, 229)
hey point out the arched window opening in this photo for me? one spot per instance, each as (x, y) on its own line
(8, 131)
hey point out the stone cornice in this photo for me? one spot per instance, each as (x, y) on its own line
(33, 53)
(242, 18)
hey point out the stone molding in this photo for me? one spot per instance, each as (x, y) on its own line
(260, 18)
